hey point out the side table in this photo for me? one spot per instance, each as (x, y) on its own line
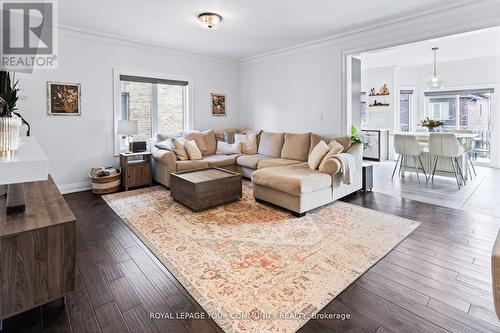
(136, 169)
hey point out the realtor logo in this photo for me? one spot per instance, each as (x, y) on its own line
(28, 35)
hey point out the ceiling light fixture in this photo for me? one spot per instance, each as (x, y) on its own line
(435, 81)
(209, 21)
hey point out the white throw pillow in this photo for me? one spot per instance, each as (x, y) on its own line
(192, 150)
(179, 149)
(248, 143)
(317, 154)
(224, 148)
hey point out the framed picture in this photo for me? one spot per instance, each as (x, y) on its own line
(218, 105)
(63, 99)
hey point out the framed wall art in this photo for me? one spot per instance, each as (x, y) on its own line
(63, 99)
(218, 105)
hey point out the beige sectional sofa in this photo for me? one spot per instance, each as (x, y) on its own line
(279, 170)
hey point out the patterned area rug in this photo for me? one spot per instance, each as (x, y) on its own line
(254, 267)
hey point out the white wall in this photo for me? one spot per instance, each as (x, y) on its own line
(290, 89)
(75, 144)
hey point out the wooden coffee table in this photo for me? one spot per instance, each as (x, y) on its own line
(204, 188)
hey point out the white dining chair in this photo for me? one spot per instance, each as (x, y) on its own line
(469, 150)
(407, 146)
(445, 145)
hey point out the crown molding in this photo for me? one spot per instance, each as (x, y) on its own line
(124, 41)
(456, 10)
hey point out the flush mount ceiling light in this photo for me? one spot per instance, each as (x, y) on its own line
(435, 81)
(209, 21)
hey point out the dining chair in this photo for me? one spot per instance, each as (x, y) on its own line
(407, 146)
(445, 145)
(469, 150)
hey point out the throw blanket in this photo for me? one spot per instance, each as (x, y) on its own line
(347, 166)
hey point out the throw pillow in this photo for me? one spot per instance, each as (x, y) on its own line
(317, 154)
(192, 150)
(179, 149)
(271, 144)
(196, 136)
(248, 142)
(165, 145)
(335, 148)
(210, 141)
(224, 148)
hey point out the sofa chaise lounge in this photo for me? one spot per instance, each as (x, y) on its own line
(279, 169)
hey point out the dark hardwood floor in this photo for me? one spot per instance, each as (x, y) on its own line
(437, 280)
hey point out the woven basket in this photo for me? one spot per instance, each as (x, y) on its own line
(106, 184)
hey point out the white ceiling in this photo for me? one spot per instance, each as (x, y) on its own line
(250, 27)
(472, 45)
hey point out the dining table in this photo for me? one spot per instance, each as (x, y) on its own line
(444, 166)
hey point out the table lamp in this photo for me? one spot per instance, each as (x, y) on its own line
(127, 128)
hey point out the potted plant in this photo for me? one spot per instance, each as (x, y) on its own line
(431, 124)
(10, 123)
(357, 138)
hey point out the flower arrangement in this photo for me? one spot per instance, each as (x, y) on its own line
(431, 124)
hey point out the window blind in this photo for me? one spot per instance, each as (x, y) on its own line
(460, 92)
(141, 79)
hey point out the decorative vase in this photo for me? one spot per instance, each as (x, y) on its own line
(9, 134)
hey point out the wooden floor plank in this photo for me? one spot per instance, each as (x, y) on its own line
(110, 319)
(124, 294)
(138, 321)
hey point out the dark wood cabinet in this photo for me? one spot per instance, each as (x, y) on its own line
(37, 250)
(136, 169)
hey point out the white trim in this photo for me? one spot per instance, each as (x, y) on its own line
(120, 40)
(74, 187)
(188, 122)
(459, 9)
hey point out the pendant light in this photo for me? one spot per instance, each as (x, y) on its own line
(435, 81)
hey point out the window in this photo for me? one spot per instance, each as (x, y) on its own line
(405, 110)
(440, 111)
(464, 109)
(158, 105)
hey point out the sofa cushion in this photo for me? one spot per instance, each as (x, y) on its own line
(271, 144)
(345, 141)
(250, 161)
(293, 179)
(248, 142)
(210, 142)
(274, 162)
(191, 165)
(220, 160)
(296, 146)
(198, 138)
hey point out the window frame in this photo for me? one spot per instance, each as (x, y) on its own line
(117, 100)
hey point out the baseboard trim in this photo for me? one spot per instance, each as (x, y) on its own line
(74, 187)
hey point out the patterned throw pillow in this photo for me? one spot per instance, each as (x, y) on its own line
(179, 149)
(192, 150)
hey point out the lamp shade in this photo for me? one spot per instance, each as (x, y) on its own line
(127, 127)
